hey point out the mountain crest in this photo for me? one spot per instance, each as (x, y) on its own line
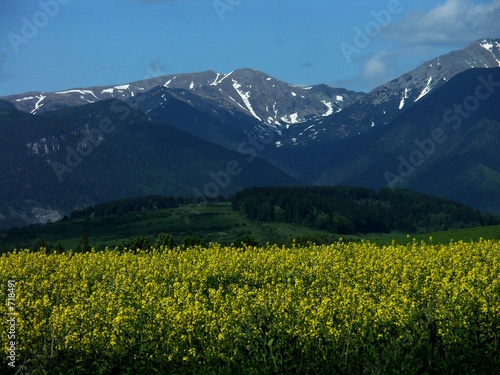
(272, 102)
(297, 115)
(386, 102)
(492, 46)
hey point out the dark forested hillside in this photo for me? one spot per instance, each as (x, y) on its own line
(355, 209)
(435, 147)
(56, 162)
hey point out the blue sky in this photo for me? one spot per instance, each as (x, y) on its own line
(50, 45)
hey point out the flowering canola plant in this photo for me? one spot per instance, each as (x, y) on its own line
(345, 308)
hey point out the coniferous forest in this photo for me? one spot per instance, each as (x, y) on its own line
(348, 210)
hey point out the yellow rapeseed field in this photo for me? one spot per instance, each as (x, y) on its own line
(347, 308)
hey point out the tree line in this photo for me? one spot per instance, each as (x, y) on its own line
(349, 210)
(124, 206)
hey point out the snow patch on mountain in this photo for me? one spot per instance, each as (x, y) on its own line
(405, 96)
(329, 105)
(217, 81)
(489, 47)
(26, 98)
(245, 96)
(43, 146)
(425, 91)
(122, 87)
(77, 91)
(38, 104)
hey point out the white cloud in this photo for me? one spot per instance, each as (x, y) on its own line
(375, 69)
(380, 68)
(375, 66)
(454, 21)
(451, 24)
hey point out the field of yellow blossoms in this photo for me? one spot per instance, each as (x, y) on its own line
(346, 308)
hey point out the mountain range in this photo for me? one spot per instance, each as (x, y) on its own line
(209, 133)
(386, 102)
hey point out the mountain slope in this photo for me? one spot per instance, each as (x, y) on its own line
(296, 115)
(194, 115)
(249, 91)
(62, 160)
(437, 146)
(384, 103)
(224, 109)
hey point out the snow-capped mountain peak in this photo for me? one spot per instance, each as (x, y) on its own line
(244, 90)
(385, 102)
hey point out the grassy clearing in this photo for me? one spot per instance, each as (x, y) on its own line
(213, 223)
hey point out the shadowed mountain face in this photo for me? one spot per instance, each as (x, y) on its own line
(61, 160)
(445, 145)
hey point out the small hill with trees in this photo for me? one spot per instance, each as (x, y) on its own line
(348, 210)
